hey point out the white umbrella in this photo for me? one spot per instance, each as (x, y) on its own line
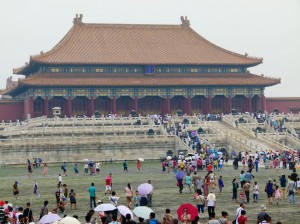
(141, 159)
(220, 153)
(142, 212)
(104, 207)
(49, 218)
(69, 220)
(124, 210)
(188, 158)
(169, 157)
(85, 160)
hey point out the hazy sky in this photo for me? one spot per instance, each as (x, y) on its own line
(261, 28)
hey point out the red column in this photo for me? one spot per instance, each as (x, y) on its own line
(229, 104)
(31, 107)
(263, 103)
(28, 108)
(189, 105)
(91, 109)
(136, 104)
(46, 106)
(168, 104)
(250, 104)
(209, 105)
(114, 105)
(69, 107)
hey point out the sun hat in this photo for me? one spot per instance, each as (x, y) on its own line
(263, 207)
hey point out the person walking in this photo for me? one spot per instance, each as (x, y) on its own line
(92, 192)
(44, 209)
(246, 188)
(149, 196)
(235, 187)
(291, 190)
(129, 195)
(72, 197)
(269, 190)
(45, 171)
(125, 166)
(255, 192)
(283, 182)
(16, 190)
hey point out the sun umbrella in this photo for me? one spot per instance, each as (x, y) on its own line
(191, 210)
(85, 160)
(104, 207)
(69, 220)
(49, 218)
(180, 175)
(142, 212)
(220, 153)
(169, 157)
(124, 210)
(40, 160)
(141, 159)
(145, 189)
(188, 158)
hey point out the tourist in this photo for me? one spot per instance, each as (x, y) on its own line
(163, 165)
(113, 199)
(200, 203)
(261, 216)
(125, 166)
(242, 196)
(199, 184)
(65, 194)
(256, 164)
(64, 168)
(97, 166)
(76, 169)
(277, 195)
(136, 199)
(108, 184)
(291, 190)
(246, 189)
(167, 218)
(59, 179)
(188, 183)
(92, 192)
(223, 219)
(255, 192)
(28, 216)
(128, 195)
(221, 184)
(269, 190)
(206, 185)
(114, 220)
(242, 178)
(242, 219)
(29, 169)
(16, 190)
(57, 194)
(298, 185)
(235, 187)
(86, 169)
(283, 183)
(185, 217)
(17, 215)
(149, 196)
(211, 203)
(138, 165)
(44, 210)
(72, 197)
(239, 210)
(294, 175)
(45, 171)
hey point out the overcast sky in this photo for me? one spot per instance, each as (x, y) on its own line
(261, 28)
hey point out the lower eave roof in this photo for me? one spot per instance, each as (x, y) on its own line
(60, 79)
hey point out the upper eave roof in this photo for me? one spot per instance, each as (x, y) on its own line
(87, 43)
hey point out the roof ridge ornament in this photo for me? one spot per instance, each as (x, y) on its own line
(185, 22)
(78, 19)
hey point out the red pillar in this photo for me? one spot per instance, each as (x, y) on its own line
(136, 104)
(46, 106)
(69, 107)
(189, 105)
(28, 108)
(263, 103)
(229, 104)
(209, 105)
(168, 104)
(91, 109)
(114, 105)
(250, 104)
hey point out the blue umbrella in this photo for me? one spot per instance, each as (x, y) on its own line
(180, 175)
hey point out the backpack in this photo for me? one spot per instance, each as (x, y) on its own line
(62, 167)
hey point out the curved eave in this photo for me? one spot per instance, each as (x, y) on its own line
(16, 90)
(26, 69)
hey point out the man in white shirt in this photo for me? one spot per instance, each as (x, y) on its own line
(238, 211)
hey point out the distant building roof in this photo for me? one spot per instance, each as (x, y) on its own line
(87, 43)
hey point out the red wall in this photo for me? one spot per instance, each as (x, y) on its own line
(283, 104)
(11, 111)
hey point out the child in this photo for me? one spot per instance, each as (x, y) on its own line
(221, 184)
(255, 192)
(242, 196)
(277, 194)
(72, 197)
(136, 199)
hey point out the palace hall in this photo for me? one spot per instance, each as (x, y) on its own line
(149, 69)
